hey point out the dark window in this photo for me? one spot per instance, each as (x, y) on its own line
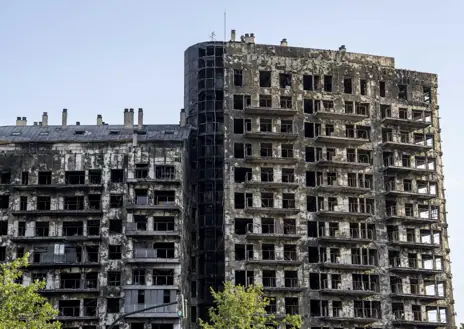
(382, 90)
(307, 82)
(116, 201)
(264, 78)
(347, 86)
(115, 226)
(114, 278)
(95, 176)
(113, 305)
(114, 251)
(117, 175)
(45, 178)
(328, 83)
(238, 78)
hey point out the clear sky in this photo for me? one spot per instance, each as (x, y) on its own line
(101, 56)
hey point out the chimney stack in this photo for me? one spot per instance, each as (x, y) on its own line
(78, 123)
(21, 122)
(44, 119)
(252, 38)
(99, 120)
(35, 123)
(126, 119)
(140, 119)
(284, 43)
(40, 123)
(64, 119)
(131, 118)
(182, 121)
(232, 35)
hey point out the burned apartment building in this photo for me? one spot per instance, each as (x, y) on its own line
(102, 210)
(319, 175)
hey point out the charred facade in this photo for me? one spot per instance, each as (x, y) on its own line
(318, 175)
(103, 212)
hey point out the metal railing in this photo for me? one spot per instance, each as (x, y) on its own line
(366, 286)
(165, 253)
(353, 259)
(291, 282)
(357, 233)
(370, 313)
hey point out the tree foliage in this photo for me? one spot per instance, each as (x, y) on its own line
(22, 307)
(238, 307)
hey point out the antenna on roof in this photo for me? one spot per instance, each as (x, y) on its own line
(212, 36)
(225, 25)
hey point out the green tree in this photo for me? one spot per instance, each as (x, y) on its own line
(244, 308)
(22, 307)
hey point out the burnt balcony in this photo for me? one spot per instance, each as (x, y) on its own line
(141, 230)
(391, 168)
(146, 203)
(289, 285)
(50, 187)
(392, 190)
(350, 262)
(422, 145)
(355, 236)
(411, 265)
(270, 160)
(271, 257)
(335, 114)
(64, 260)
(398, 293)
(275, 231)
(363, 316)
(392, 214)
(72, 286)
(353, 211)
(419, 122)
(353, 187)
(352, 162)
(269, 135)
(165, 254)
(351, 138)
(395, 239)
(270, 111)
(288, 183)
(417, 320)
(360, 288)
(266, 209)
(59, 212)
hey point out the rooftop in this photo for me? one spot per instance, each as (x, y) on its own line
(91, 133)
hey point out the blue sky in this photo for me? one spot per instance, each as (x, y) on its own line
(101, 56)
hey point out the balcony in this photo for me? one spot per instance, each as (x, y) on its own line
(271, 210)
(355, 236)
(271, 232)
(352, 188)
(395, 240)
(397, 292)
(261, 135)
(392, 190)
(47, 187)
(159, 256)
(290, 285)
(419, 146)
(149, 181)
(411, 124)
(353, 212)
(59, 212)
(361, 316)
(352, 162)
(288, 258)
(55, 238)
(332, 113)
(360, 288)
(271, 160)
(270, 111)
(392, 214)
(350, 262)
(390, 168)
(290, 184)
(350, 139)
(400, 318)
(64, 260)
(411, 266)
(140, 230)
(145, 203)
(71, 286)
